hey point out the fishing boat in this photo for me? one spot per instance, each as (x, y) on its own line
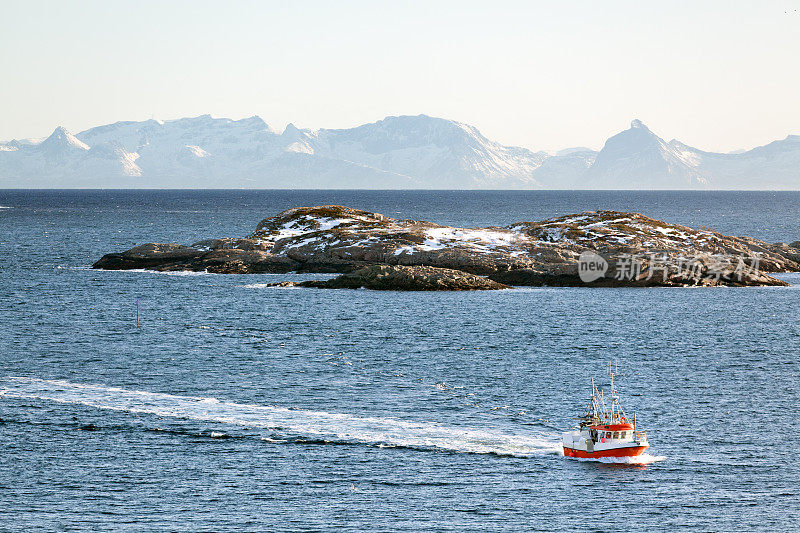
(605, 432)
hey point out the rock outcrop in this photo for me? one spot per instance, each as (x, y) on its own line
(402, 278)
(603, 248)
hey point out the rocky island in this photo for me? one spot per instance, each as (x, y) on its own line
(598, 248)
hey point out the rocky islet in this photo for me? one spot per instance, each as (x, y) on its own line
(636, 250)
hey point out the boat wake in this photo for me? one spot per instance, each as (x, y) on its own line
(281, 424)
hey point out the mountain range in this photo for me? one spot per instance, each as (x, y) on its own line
(404, 152)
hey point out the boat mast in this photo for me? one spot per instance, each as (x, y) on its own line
(592, 415)
(616, 407)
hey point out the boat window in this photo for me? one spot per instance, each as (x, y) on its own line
(622, 434)
(616, 434)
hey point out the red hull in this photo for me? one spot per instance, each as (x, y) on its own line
(631, 451)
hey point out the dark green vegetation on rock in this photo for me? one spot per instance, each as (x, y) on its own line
(341, 239)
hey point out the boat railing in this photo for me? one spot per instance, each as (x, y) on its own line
(640, 435)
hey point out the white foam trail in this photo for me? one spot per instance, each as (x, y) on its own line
(162, 272)
(306, 424)
(644, 459)
(265, 286)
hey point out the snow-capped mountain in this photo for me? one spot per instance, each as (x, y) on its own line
(434, 151)
(395, 153)
(637, 158)
(773, 166)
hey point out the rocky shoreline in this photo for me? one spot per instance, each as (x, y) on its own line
(603, 248)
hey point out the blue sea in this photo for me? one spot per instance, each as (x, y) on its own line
(233, 406)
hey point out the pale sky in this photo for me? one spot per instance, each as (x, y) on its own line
(718, 75)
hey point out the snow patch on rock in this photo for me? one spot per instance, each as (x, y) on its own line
(197, 151)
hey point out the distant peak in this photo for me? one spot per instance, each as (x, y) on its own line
(636, 123)
(421, 118)
(199, 119)
(293, 133)
(60, 133)
(255, 120)
(62, 137)
(574, 150)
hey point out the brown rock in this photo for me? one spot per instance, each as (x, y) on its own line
(148, 256)
(402, 278)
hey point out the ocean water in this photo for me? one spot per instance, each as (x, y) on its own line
(236, 406)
